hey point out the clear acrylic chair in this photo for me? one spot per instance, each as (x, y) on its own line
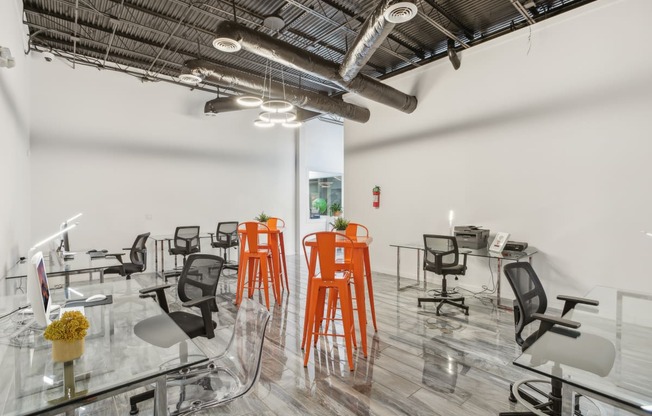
(227, 376)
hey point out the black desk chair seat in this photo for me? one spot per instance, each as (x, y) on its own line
(441, 256)
(137, 255)
(530, 306)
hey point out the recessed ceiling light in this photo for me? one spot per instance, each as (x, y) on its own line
(226, 45)
(400, 12)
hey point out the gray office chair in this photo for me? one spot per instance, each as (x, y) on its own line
(137, 255)
(225, 237)
(442, 257)
(186, 241)
(530, 307)
(227, 376)
(196, 288)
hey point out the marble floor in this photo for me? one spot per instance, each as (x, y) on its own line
(418, 363)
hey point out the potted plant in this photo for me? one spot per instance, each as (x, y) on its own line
(340, 224)
(262, 217)
(67, 335)
(336, 209)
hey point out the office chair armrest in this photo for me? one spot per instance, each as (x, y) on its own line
(118, 256)
(154, 289)
(212, 234)
(548, 321)
(197, 302)
(571, 301)
(205, 308)
(160, 295)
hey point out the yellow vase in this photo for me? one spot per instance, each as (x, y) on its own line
(63, 351)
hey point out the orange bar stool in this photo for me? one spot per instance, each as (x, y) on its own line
(275, 223)
(331, 280)
(354, 230)
(255, 262)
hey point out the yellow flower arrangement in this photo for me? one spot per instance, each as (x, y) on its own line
(71, 326)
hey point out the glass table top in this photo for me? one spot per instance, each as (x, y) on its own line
(114, 356)
(482, 252)
(82, 262)
(608, 355)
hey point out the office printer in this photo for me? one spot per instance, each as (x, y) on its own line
(470, 236)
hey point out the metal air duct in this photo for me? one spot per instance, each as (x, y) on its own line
(231, 78)
(227, 104)
(372, 34)
(297, 58)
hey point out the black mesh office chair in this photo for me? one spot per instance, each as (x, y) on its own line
(196, 288)
(226, 236)
(530, 306)
(442, 257)
(137, 255)
(186, 242)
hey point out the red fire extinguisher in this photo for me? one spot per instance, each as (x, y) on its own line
(376, 193)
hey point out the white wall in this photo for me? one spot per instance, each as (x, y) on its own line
(321, 150)
(14, 140)
(545, 134)
(137, 157)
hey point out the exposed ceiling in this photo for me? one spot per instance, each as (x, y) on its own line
(154, 39)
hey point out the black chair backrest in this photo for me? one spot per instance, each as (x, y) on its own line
(436, 244)
(187, 237)
(200, 277)
(138, 253)
(530, 296)
(227, 233)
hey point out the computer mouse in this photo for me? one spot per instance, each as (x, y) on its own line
(95, 298)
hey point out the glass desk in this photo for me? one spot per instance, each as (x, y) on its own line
(483, 252)
(82, 263)
(115, 359)
(608, 357)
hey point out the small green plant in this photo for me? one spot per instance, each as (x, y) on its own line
(341, 223)
(71, 327)
(336, 209)
(262, 217)
(376, 188)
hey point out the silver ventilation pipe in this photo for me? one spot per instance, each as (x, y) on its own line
(373, 33)
(231, 36)
(230, 78)
(227, 104)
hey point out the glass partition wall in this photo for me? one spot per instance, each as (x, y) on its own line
(325, 194)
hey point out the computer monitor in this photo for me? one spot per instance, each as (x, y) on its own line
(38, 290)
(64, 242)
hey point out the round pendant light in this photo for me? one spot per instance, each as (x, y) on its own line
(249, 101)
(276, 106)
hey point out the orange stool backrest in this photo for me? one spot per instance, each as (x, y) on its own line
(249, 232)
(274, 223)
(326, 244)
(353, 229)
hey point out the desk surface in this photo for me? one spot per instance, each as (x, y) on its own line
(483, 252)
(114, 356)
(82, 263)
(611, 355)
